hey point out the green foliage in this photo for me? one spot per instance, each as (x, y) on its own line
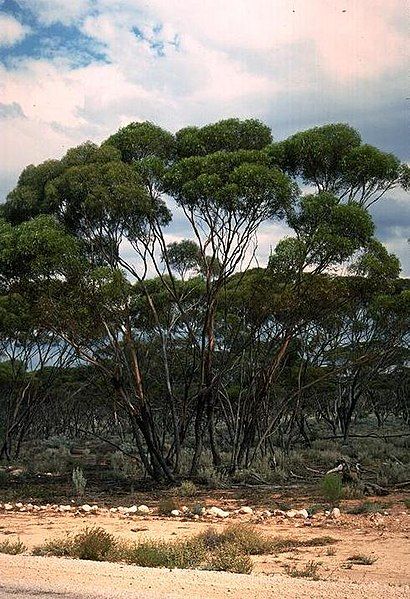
(331, 488)
(310, 570)
(228, 135)
(366, 507)
(187, 489)
(362, 560)
(93, 543)
(229, 558)
(79, 481)
(166, 505)
(12, 547)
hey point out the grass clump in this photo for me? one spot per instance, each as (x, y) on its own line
(161, 554)
(12, 547)
(407, 502)
(93, 543)
(167, 505)
(331, 488)
(229, 557)
(362, 560)
(366, 507)
(187, 489)
(308, 571)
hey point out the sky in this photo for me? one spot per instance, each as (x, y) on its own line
(73, 70)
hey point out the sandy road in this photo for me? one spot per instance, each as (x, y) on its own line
(56, 578)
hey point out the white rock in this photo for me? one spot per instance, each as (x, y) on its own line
(266, 514)
(246, 510)
(122, 509)
(143, 509)
(132, 510)
(290, 513)
(8, 506)
(113, 510)
(86, 508)
(19, 505)
(279, 513)
(185, 509)
(335, 513)
(64, 508)
(29, 507)
(94, 508)
(175, 513)
(217, 512)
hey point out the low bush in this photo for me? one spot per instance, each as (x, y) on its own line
(166, 505)
(12, 547)
(187, 489)
(331, 488)
(229, 557)
(308, 571)
(93, 543)
(366, 507)
(362, 560)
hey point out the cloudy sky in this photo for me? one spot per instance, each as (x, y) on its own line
(72, 70)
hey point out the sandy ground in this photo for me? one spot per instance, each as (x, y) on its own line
(385, 537)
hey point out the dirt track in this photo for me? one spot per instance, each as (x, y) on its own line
(96, 579)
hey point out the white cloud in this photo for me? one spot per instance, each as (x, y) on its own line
(11, 31)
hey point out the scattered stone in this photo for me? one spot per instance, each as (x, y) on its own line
(113, 510)
(8, 507)
(246, 510)
(185, 509)
(132, 510)
(217, 512)
(335, 513)
(175, 513)
(143, 509)
(279, 513)
(266, 514)
(121, 509)
(64, 508)
(19, 505)
(86, 508)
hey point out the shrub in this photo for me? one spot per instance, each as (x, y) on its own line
(187, 489)
(308, 571)
(79, 481)
(123, 466)
(331, 488)
(362, 560)
(12, 547)
(229, 558)
(93, 543)
(160, 554)
(366, 507)
(166, 505)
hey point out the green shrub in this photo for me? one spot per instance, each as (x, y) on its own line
(187, 489)
(362, 560)
(366, 507)
(166, 505)
(331, 488)
(93, 543)
(162, 554)
(308, 571)
(12, 547)
(79, 481)
(229, 558)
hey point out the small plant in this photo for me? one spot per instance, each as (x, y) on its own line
(308, 571)
(167, 505)
(198, 509)
(330, 551)
(366, 507)
(362, 560)
(407, 502)
(187, 489)
(352, 492)
(89, 544)
(331, 488)
(12, 547)
(161, 554)
(79, 481)
(229, 558)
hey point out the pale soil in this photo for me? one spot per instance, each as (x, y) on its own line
(385, 537)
